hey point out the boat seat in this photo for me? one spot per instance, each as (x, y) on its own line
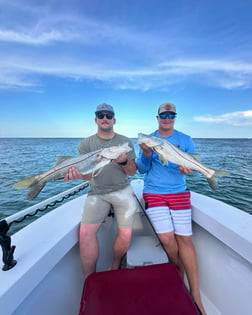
(155, 289)
(145, 250)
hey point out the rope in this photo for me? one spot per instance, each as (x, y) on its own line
(50, 205)
(148, 219)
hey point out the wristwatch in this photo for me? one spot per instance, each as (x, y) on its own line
(123, 163)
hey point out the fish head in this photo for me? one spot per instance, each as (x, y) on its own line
(150, 141)
(114, 151)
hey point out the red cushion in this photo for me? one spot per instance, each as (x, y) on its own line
(148, 290)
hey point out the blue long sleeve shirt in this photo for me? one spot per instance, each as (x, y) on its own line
(164, 179)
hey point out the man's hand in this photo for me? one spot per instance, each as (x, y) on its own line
(121, 158)
(74, 174)
(146, 150)
(185, 170)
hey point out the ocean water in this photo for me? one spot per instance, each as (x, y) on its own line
(23, 157)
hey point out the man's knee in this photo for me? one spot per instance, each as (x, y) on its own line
(88, 230)
(125, 234)
(185, 240)
(167, 238)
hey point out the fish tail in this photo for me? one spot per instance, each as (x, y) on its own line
(33, 183)
(213, 180)
(26, 182)
(35, 189)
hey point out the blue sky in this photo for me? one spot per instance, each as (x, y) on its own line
(59, 59)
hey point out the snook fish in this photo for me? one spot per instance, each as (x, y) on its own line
(170, 153)
(92, 162)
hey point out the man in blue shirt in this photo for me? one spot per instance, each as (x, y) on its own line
(167, 199)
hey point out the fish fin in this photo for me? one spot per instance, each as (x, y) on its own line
(35, 189)
(163, 161)
(97, 172)
(33, 183)
(25, 183)
(213, 180)
(60, 159)
(196, 156)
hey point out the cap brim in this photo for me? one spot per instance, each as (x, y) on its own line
(167, 111)
(104, 111)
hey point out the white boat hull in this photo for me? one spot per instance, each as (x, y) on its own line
(48, 277)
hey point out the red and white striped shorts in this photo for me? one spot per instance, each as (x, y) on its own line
(170, 212)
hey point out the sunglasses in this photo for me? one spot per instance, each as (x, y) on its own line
(102, 115)
(164, 116)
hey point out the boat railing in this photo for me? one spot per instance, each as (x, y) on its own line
(5, 239)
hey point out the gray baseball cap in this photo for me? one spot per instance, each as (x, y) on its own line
(167, 107)
(104, 108)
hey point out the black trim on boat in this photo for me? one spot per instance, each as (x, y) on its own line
(8, 250)
(5, 240)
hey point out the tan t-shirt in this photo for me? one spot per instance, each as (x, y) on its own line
(112, 177)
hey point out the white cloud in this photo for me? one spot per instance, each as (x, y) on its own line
(203, 65)
(126, 76)
(227, 74)
(41, 29)
(121, 56)
(32, 38)
(215, 72)
(241, 118)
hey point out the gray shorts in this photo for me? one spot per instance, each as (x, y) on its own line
(124, 204)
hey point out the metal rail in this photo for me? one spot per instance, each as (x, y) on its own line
(5, 240)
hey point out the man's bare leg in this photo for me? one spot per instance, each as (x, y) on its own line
(170, 245)
(89, 248)
(188, 257)
(121, 245)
